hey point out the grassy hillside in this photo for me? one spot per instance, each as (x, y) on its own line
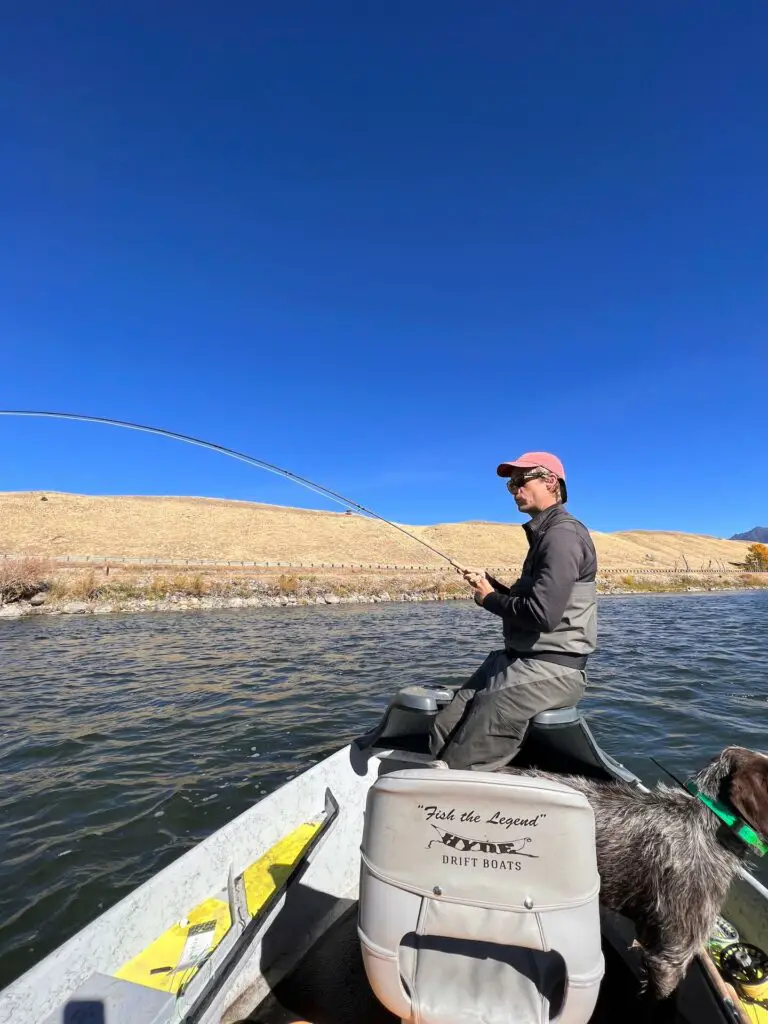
(207, 528)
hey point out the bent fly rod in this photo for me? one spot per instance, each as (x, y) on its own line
(259, 463)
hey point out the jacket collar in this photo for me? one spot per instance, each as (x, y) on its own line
(542, 520)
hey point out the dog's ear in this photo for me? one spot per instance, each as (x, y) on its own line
(748, 788)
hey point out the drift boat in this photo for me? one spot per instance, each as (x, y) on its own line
(374, 888)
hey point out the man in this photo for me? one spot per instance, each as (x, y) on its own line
(549, 619)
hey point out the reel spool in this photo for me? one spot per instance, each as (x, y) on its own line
(746, 967)
(723, 934)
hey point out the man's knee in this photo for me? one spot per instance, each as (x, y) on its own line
(447, 720)
(487, 734)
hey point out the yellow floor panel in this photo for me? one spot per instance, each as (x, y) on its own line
(755, 1012)
(271, 870)
(173, 958)
(164, 965)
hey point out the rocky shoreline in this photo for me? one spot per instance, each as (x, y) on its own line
(46, 604)
(181, 603)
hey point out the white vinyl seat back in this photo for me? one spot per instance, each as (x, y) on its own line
(479, 899)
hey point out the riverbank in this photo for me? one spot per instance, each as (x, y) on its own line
(68, 554)
(77, 591)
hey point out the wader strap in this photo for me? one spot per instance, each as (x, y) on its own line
(578, 661)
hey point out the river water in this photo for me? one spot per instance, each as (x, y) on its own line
(124, 740)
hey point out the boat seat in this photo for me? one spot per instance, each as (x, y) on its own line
(557, 716)
(479, 899)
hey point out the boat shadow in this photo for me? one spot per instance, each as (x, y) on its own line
(330, 985)
(312, 989)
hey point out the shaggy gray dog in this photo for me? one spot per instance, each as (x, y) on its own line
(666, 860)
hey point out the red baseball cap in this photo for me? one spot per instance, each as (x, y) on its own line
(528, 460)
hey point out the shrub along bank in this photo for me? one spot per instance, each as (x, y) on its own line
(36, 586)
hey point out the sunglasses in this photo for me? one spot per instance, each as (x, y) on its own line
(516, 482)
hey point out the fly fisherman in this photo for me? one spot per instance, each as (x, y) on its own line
(549, 619)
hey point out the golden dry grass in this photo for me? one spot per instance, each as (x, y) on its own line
(210, 528)
(20, 578)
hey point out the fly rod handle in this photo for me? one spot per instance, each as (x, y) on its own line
(726, 992)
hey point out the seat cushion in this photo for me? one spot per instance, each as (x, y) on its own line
(493, 981)
(481, 838)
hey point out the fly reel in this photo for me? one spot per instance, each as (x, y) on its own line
(746, 967)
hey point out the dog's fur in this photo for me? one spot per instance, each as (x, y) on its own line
(666, 861)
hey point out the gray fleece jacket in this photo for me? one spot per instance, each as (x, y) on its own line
(552, 608)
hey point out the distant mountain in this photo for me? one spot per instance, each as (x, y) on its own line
(758, 534)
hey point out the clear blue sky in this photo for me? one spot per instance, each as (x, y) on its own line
(387, 246)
